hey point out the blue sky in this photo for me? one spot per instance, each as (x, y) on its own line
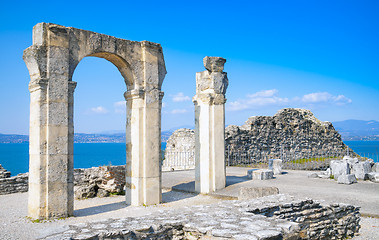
(318, 55)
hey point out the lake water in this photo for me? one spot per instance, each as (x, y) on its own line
(15, 156)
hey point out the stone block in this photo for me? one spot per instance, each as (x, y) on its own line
(350, 160)
(373, 177)
(246, 193)
(277, 166)
(263, 174)
(214, 64)
(375, 168)
(250, 173)
(347, 179)
(361, 169)
(339, 168)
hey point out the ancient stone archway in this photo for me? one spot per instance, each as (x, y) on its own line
(51, 60)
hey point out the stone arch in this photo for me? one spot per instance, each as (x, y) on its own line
(51, 61)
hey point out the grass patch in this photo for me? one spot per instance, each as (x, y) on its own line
(319, 159)
(122, 193)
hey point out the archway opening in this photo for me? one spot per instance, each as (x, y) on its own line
(99, 139)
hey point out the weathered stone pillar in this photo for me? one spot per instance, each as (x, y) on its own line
(143, 131)
(210, 125)
(51, 61)
(51, 124)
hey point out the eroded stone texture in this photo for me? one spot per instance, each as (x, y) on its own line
(291, 133)
(209, 103)
(51, 61)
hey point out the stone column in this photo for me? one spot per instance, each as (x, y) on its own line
(37, 149)
(209, 103)
(143, 176)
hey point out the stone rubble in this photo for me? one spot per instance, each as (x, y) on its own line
(14, 184)
(99, 181)
(272, 217)
(349, 170)
(347, 179)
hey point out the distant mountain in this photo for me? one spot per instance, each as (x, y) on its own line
(117, 137)
(13, 138)
(358, 129)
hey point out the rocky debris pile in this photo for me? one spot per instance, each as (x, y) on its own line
(14, 184)
(4, 173)
(349, 169)
(291, 133)
(271, 217)
(99, 181)
(180, 149)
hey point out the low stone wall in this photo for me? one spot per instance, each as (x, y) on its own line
(272, 217)
(14, 184)
(337, 221)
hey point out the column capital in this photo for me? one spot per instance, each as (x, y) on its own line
(134, 94)
(38, 84)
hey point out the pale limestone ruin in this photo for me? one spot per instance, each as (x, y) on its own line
(51, 61)
(209, 103)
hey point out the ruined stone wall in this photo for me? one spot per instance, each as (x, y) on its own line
(289, 134)
(336, 221)
(14, 184)
(4, 173)
(180, 149)
(271, 217)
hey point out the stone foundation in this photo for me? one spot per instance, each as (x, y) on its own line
(271, 217)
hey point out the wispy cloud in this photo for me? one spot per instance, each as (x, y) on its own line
(179, 111)
(258, 100)
(120, 107)
(271, 97)
(99, 110)
(180, 97)
(325, 97)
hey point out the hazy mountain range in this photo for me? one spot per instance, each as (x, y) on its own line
(349, 130)
(358, 129)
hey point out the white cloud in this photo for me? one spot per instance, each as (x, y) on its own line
(257, 100)
(164, 105)
(179, 97)
(179, 111)
(271, 97)
(264, 93)
(120, 107)
(325, 97)
(99, 110)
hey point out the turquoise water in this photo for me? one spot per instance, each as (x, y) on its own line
(15, 156)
